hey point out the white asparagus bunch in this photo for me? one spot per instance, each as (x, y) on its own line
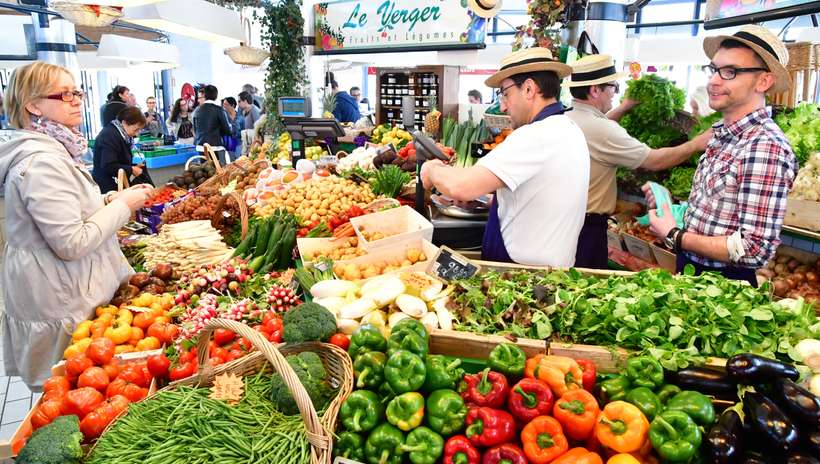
(186, 246)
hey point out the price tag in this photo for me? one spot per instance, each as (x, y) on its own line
(449, 265)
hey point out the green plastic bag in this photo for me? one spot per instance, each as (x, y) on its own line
(662, 197)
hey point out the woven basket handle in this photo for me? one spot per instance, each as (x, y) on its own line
(280, 365)
(243, 210)
(122, 180)
(209, 154)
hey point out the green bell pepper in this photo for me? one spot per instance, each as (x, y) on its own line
(384, 444)
(675, 436)
(446, 412)
(424, 446)
(613, 389)
(644, 371)
(406, 411)
(369, 369)
(367, 337)
(508, 358)
(695, 404)
(350, 445)
(441, 373)
(409, 335)
(361, 411)
(386, 393)
(668, 391)
(405, 372)
(646, 401)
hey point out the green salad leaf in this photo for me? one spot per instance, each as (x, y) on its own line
(649, 121)
(802, 128)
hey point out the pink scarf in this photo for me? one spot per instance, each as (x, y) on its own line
(73, 141)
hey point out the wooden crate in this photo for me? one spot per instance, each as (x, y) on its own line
(804, 72)
(495, 266)
(607, 360)
(475, 346)
(639, 248)
(802, 213)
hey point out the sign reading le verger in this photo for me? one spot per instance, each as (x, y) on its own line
(350, 25)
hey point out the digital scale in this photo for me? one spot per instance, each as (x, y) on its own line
(295, 112)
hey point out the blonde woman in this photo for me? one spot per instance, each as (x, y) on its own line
(62, 258)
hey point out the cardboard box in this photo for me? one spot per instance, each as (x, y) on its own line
(397, 224)
(639, 248)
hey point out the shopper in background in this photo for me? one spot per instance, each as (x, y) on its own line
(117, 101)
(155, 124)
(347, 108)
(62, 258)
(594, 85)
(180, 124)
(258, 101)
(211, 122)
(539, 174)
(112, 151)
(739, 191)
(232, 142)
(475, 96)
(250, 113)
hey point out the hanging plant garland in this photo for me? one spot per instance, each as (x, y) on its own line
(544, 15)
(282, 30)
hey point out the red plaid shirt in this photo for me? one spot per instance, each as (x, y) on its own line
(741, 184)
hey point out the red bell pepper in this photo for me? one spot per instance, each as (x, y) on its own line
(588, 368)
(489, 427)
(504, 454)
(459, 450)
(530, 398)
(488, 389)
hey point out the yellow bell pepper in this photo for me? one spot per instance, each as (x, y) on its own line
(623, 458)
(622, 427)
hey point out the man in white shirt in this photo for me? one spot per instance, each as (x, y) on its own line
(539, 174)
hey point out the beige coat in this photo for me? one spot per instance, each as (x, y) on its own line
(62, 258)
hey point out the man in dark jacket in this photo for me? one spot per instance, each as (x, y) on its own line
(347, 108)
(210, 121)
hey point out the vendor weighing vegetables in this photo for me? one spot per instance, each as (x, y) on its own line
(738, 197)
(540, 173)
(593, 85)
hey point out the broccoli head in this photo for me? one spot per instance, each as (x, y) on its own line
(313, 376)
(308, 322)
(55, 443)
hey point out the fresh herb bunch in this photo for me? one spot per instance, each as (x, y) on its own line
(802, 128)
(649, 121)
(389, 180)
(680, 181)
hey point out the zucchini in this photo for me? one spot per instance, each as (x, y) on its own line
(273, 243)
(286, 252)
(262, 238)
(242, 249)
(256, 263)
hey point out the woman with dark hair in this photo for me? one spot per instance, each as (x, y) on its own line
(112, 151)
(117, 101)
(180, 124)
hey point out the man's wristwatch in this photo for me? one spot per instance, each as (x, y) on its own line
(671, 239)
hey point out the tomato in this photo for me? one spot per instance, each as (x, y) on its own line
(274, 337)
(273, 324)
(215, 361)
(187, 356)
(340, 340)
(148, 344)
(235, 354)
(57, 382)
(182, 371)
(134, 374)
(130, 391)
(100, 351)
(223, 336)
(119, 403)
(143, 320)
(158, 365)
(94, 377)
(219, 353)
(163, 331)
(56, 395)
(112, 369)
(245, 344)
(81, 401)
(45, 413)
(76, 365)
(96, 421)
(136, 335)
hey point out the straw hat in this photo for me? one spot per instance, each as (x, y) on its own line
(484, 8)
(770, 49)
(528, 60)
(593, 70)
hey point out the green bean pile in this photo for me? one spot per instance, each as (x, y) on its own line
(185, 426)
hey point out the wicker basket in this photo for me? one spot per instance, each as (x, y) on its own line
(219, 179)
(269, 357)
(87, 15)
(804, 71)
(497, 121)
(218, 216)
(248, 56)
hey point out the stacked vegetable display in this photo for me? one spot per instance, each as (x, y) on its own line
(268, 246)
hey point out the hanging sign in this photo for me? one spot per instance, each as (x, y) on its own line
(359, 26)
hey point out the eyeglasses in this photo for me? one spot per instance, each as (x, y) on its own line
(614, 85)
(66, 96)
(728, 73)
(502, 93)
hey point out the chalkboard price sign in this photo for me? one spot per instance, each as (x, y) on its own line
(449, 265)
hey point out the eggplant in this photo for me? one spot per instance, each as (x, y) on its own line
(755, 459)
(721, 404)
(801, 404)
(811, 441)
(724, 443)
(751, 369)
(768, 422)
(801, 458)
(706, 380)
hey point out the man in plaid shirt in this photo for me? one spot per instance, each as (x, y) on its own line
(739, 191)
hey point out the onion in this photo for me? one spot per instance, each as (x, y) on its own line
(802, 269)
(783, 259)
(780, 269)
(770, 265)
(799, 277)
(791, 283)
(767, 273)
(811, 277)
(781, 288)
(793, 263)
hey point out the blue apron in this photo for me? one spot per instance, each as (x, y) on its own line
(492, 247)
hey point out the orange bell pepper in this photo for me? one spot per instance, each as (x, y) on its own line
(559, 372)
(623, 458)
(577, 411)
(579, 456)
(622, 427)
(543, 440)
